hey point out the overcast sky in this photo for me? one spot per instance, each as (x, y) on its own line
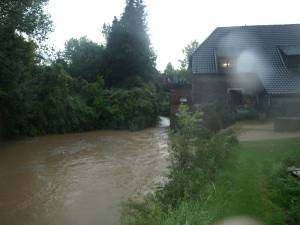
(172, 23)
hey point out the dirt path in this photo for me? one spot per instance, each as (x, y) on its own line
(256, 132)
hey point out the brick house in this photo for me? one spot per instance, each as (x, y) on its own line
(249, 66)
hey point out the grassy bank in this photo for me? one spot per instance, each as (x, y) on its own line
(249, 179)
(243, 186)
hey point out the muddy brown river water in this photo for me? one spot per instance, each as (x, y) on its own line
(78, 179)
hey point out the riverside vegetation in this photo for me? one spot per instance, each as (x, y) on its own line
(213, 177)
(87, 86)
(196, 156)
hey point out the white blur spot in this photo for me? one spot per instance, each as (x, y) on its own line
(248, 62)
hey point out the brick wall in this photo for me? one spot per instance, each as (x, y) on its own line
(285, 106)
(177, 94)
(208, 89)
(213, 87)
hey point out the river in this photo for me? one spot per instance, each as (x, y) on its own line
(79, 179)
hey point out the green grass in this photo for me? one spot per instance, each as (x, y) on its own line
(241, 187)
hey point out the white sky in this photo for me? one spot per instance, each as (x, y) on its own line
(172, 23)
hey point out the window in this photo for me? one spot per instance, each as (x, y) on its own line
(224, 64)
(293, 63)
(226, 58)
(183, 100)
(291, 58)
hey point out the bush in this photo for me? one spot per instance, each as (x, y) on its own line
(135, 109)
(54, 102)
(46, 104)
(196, 155)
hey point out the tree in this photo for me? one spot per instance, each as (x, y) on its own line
(84, 58)
(188, 51)
(131, 59)
(22, 25)
(169, 71)
(25, 17)
(106, 30)
(183, 73)
(176, 75)
(17, 19)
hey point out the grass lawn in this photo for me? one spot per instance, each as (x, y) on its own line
(242, 187)
(243, 183)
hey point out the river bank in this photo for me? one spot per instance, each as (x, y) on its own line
(214, 177)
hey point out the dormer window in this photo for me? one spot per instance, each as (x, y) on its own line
(224, 64)
(293, 63)
(226, 58)
(291, 58)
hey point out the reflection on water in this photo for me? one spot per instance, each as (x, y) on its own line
(78, 178)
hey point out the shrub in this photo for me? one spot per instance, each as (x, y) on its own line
(135, 109)
(54, 102)
(196, 155)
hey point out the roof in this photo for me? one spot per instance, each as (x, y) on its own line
(259, 50)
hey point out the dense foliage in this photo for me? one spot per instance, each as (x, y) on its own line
(134, 109)
(81, 89)
(21, 22)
